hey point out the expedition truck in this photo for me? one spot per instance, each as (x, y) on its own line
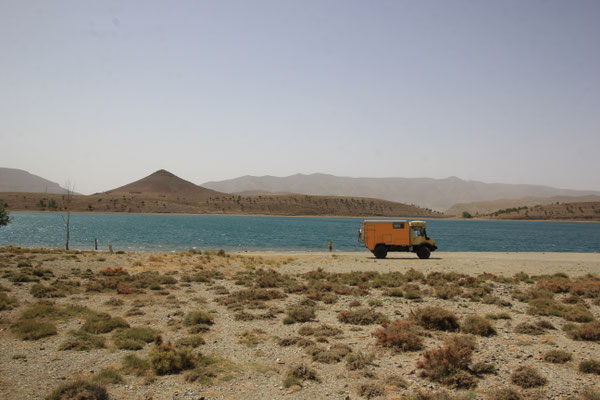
(381, 236)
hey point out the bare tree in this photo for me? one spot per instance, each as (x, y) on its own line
(68, 198)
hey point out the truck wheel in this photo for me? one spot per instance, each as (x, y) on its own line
(423, 252)
(380, 251)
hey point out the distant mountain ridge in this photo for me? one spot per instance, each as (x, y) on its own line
(17, 180)
(438, 194)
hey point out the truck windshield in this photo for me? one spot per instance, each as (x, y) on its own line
(419, 231)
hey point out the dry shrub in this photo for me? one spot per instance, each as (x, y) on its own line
(370, 390)
(300, 313)
(103, 323)
(7, 303)
(33, 329)
(589, 331)
(79, 390)
(578, 314)
(557, 356)
(476, 325)
(400, 335)
(82, 341)
(504, 394)
(436, 318)
(166, 359)
(587, 286)
(331, 355)
(554, 284)
(590, 366)
(133, 365)
(359, 360)
(529, 329)
(449, 363)
(133, 338)
(483, 368)
(361, 316)
(198, 318)
(298, 374)
(319, 331)
(527, 377)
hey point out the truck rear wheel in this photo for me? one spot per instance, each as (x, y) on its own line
(423, 252)
(380, 251)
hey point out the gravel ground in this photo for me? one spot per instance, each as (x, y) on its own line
(31, 369)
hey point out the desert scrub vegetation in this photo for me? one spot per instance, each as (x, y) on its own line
(59, 288)
(527, 328)
(359, 360)
(589, 331)
(476, 325)
(134, 365)
(436, 318)
(82, 341)
(108, 376)
(504, 394)
(361, 316)
(192, 341)
(298, 374)
(370, 390)
(133, 338)
(7, 303)
(299, 313)
(527, 377)
(557, 356)
(449, 363)
(165, 359)
(322, 330)
(38, 320)
(590, 366)
(103, 323)
(79, 390)
(400, 336)
(330, 355)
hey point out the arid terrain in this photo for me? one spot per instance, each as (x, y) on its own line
(214, 325)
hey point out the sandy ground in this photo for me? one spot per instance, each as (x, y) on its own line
(32, 369)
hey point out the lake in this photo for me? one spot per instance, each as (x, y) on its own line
(140, 232)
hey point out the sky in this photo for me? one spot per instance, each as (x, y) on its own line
(102, 93)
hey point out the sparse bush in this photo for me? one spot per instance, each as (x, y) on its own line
(166, 359)
(590, 367)
(476, 325)
(33, 329)
(359, 360)
(198, 318)
(578, 314)
(79, 390)
(527, 377)
(557, 356)
(370, 390)
(504, 394)
(192, 341)
(103, 323)
(132, 364)
(528, 329)
(133, 338)
(82, 341)
(298, 374)
(498, 316)
(332, 355)
(361, 316)
(436, 318)
(400, 335)
(300, 313)
(448, 364)
(7, 303)
(589, 331)
(321, 330)
(108, 376)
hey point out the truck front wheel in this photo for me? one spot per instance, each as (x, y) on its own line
(380, 251)
(423, 252)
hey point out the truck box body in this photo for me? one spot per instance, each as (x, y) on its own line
(391, 233)
(383, 236)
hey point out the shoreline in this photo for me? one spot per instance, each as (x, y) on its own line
(453, 218)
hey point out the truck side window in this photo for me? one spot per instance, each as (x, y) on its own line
(398, 225)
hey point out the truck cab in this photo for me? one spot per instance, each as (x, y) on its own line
(383, 236)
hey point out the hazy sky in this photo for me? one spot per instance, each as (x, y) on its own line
(101, 93)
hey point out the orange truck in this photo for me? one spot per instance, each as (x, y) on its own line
(383, 236)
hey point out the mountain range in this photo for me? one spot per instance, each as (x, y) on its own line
(17, 180)
(437, 194)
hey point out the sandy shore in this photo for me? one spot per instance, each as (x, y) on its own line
(471, 263)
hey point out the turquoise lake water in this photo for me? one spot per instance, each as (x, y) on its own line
(137, 232)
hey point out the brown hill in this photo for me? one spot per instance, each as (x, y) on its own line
(163, 192)
(582, 211)
(163, 183)
(487, 207)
